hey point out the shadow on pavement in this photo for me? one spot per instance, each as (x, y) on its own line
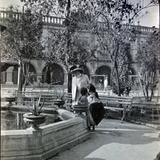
(111, 134)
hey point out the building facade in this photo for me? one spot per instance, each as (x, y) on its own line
(43, 74)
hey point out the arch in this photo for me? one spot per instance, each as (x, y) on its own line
(101, 73)
(84, 67)
(86, 70)
(15, 75)
(2, 27)
(4, 67)
(28, 67)
(53, 73)
(103, 70)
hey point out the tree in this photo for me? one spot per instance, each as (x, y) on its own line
(114, 38)
(56, 46)
(149, 63)
(109, 20)
(74, 12)
(21, 41)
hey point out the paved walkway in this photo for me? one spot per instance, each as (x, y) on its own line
(113, 140)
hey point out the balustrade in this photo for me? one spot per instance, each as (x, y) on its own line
(52, 20)
(48, 20)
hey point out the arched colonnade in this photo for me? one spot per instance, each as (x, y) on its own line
(42, 73)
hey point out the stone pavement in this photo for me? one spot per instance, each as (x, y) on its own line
(113, 140)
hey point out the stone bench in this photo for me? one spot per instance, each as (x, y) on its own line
(47, 98)
(117, 104)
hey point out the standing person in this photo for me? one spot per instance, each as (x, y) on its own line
(105, 83)
(96, 109)
(79, 80)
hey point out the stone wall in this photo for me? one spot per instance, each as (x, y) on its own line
(44, 143)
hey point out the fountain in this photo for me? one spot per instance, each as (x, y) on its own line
(35, 121)
(42, 140)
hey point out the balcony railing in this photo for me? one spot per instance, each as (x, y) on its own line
(47, 20)
(59, 21)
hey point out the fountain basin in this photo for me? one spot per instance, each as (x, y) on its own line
(45, 142)
(35, 121)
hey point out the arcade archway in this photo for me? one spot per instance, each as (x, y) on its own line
(29, 72)
(102, 74)
(53, 74)
(4, 71)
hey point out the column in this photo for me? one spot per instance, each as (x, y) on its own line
(39, 79)
(9, 75)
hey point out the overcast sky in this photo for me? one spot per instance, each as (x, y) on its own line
(149, 17)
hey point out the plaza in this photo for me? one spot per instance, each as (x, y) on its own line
(46, 49)
(113, 140)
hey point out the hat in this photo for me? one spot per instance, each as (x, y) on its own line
(77, 69)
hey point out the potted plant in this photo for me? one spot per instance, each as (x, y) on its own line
(59, 101)
(35, 118)
(10, 98)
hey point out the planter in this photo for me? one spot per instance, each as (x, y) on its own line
(34, 120)
(10, 99)
(59, 103)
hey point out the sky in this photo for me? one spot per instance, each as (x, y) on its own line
(149, 16)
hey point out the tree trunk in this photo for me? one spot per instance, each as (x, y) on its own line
(20, 84)
(117, 79)
(69, 82)
(68, 43)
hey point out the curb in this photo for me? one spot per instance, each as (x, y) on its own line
(155, 126)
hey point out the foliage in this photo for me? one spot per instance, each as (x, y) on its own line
(108, 20)
(114, 38)
(56, 48)
(121, 71)
(149, 63)
(64, 45)
(37, 106)
(22, 36)
(21, 40)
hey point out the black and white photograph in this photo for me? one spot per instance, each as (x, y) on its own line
(80, 79)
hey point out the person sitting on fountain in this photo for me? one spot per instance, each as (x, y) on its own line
(83, 98)
(93, 95)
(82, 101)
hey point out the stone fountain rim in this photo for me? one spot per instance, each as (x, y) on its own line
(31, 115)
(57, 126)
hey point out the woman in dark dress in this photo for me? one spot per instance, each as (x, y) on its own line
(96, 108)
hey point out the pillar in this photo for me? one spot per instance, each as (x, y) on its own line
(39, 78)
(9, 75)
